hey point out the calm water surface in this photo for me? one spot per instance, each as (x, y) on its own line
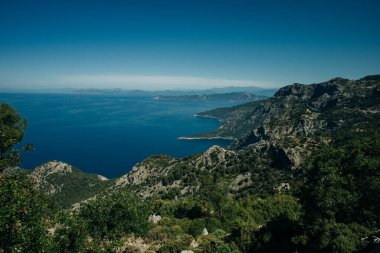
(109, 134)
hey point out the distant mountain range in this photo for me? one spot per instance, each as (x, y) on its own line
(249, 90)
(232, 96)
(125, 92)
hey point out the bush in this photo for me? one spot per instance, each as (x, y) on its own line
(114, 214)
(70, 233)
(196, 227)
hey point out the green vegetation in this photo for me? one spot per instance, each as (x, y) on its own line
(24, 216)
(29, 222)
(116, 213)
(73, 187)
(341, 192)
(11, 132)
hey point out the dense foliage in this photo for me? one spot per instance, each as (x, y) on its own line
(11, 132)
(24, 215)
(29, 222)
(113, 214)
(341, 194)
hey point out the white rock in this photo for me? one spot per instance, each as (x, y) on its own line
(154, 218)
(194, 244)
(102, 178)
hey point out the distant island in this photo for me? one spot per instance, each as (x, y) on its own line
(257, 91)
(232, 96)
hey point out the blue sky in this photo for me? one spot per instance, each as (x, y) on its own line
(161, 44)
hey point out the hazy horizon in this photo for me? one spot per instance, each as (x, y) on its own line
(148, 83)
(160, 88)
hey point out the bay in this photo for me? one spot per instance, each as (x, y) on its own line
(107, 134)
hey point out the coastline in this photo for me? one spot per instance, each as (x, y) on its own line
(205, 137)
(205, 116)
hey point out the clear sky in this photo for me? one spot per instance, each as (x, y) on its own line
(160, 44)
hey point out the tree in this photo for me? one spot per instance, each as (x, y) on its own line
(341, 195)
(23, 216)
(343, 180)
(11, 132)
(115, 214)
(70, 232)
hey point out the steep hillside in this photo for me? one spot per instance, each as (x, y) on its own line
(297, 114)
(66, 184)
(247, 171)
(302, 110)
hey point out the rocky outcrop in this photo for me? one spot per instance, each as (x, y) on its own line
(102, 178)
(155, 218)
(160, 174)
(150, 169)
(42, 175)
(215, 156)
(137, 245)
(67, 184)
(241, 181)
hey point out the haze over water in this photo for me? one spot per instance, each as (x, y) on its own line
(107, 135)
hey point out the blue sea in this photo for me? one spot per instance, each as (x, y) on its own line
(107, 134)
